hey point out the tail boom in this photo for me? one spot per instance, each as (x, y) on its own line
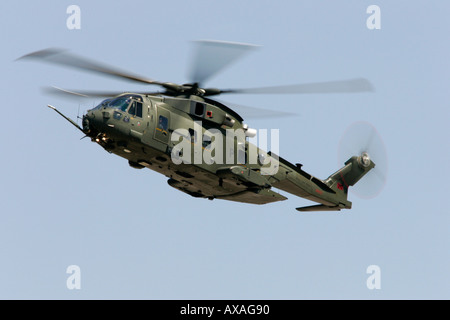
(331, 193)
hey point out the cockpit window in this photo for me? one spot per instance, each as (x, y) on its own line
(132, 109)
(104, 103)
(121, 103)
(136, 109)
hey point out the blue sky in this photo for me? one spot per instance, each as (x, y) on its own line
(68, 202)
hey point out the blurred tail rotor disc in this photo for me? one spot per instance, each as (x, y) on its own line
(362, 139)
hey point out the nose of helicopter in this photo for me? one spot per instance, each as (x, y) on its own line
(96, 118)
(86, 122)
(91, 119)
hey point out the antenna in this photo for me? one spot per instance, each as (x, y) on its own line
(78, 113)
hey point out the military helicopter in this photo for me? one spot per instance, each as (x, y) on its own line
(172, 131)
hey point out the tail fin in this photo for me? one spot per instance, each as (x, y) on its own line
(355, 168)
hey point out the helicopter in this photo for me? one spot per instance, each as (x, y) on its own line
(200, 144)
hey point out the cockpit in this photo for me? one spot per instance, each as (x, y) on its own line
(120, 103)
(102, 104)
(131, 103)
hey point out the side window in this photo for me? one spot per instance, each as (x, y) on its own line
(199, 109)
(242, 154)
(206, 142)
(163, 123)
(139, 109)
(193, 135)
(135, 109)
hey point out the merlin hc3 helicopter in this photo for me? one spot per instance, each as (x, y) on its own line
(146, 129)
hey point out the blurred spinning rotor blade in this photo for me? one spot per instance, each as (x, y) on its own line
(362, 137)
(256, 113)
(212, 56)
(62, 57)
(341, 86)
(85, 93)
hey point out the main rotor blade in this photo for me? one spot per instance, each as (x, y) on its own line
(255, 112)
(342, 86)
(212, 56)
(87, 93)
(61, 57)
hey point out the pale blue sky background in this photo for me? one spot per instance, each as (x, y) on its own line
(66, 201)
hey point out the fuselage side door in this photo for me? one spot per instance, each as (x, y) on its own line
(136, 119)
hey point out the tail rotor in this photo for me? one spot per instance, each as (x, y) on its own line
(362, 139)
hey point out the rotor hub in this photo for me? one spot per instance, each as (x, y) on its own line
(364, 160)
